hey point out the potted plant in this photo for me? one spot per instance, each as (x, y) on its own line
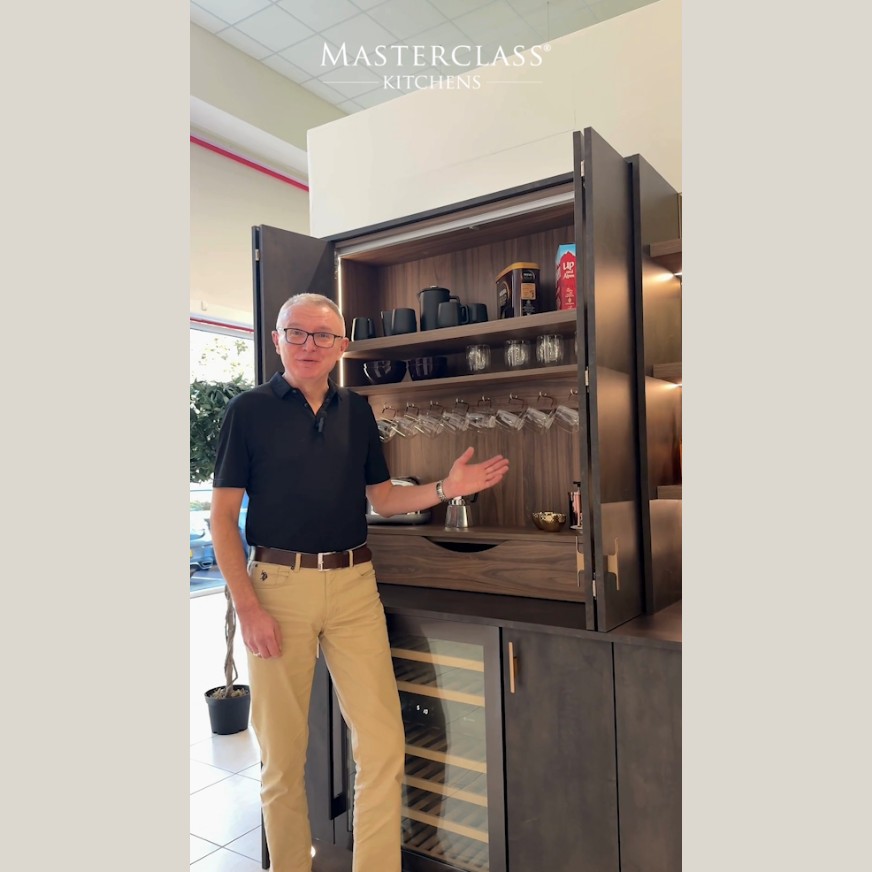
(229, 704)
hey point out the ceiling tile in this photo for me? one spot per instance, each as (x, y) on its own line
(453, 8)
(480, 24)
(232, 11)
(606, 9)
(309, 54)
(359, 31)
(287, 69)
(319, 14)
(367, 4)
(353, 82)
(349, 106)
(523, 7)
(245, 43)
(448, 37)
(275, 28)
(405, 18)
(206, 20)
(560, 19)
(325, 92)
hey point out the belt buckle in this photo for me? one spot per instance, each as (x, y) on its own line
(321, 562)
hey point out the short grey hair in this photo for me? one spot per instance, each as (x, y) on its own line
(309, 300)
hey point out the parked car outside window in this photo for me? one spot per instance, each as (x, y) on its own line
(202, 550)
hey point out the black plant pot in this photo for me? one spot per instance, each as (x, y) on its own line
(230, 714)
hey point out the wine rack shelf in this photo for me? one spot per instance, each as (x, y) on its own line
(433, 745)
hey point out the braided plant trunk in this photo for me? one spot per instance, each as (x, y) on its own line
(230, 673)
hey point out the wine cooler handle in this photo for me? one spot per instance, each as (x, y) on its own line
(513, 667)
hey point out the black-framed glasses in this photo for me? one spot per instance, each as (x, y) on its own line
(295, 336)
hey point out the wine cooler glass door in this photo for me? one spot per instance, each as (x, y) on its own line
(448, 677)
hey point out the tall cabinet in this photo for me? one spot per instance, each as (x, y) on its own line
(625, 560)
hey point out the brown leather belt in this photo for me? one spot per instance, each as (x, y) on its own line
(322, 560)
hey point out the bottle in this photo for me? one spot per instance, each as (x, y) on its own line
(575, 506)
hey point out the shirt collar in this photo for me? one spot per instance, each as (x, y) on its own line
(281, 388)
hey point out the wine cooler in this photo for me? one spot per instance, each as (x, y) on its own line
(448, 676)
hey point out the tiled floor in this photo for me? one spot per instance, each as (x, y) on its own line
(225, 770)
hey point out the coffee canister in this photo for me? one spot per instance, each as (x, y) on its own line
(518, 290)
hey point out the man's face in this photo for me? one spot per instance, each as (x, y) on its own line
(308, 363)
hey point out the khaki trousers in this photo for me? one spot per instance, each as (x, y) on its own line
(341, 610)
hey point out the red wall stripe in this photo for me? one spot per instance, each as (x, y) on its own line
(210, 323)
(248, 163)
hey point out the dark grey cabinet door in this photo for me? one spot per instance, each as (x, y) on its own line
(610, 429)
(284, 263)
(561, 796)
(648, 713)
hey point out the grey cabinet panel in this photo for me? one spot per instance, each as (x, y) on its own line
(648, 715)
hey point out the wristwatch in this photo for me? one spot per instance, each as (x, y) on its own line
(441, 493)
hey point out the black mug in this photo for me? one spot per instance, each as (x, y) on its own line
(387, 319)
(403, 321)
(451, 314)
(477, 313)
(362, 328)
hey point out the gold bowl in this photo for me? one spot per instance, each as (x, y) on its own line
(549, 521)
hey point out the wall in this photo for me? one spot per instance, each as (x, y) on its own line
(229, 79)
(435, 147)
(227, 200)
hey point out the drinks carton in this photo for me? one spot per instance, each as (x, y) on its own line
(566, 277)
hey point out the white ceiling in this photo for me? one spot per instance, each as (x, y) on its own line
(289, 35)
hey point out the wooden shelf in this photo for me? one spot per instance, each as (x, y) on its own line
(667, 254)
(668, 372)
(453, 792)
(438, 659)
(476, 383)
(669, 492)
(454, 339)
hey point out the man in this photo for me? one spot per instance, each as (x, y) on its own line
(308, 454)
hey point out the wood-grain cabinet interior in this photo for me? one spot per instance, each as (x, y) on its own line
(464, 252)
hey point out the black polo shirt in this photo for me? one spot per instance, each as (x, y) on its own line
(306, 475)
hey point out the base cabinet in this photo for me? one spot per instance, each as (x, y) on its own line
(526, 750)
(561, 799)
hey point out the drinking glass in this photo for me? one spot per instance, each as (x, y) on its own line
(549, 349)
(482, 416)
(456, 420)
(517, 353)
(387, 425)
(430, 423)
(511, 416)
(541, 416)
(408, 421)
(477, 357)
(566, 414)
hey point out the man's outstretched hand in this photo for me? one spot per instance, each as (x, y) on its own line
(467, 478)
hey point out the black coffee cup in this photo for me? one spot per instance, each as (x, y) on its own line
(477, 313)
(387, 319)
(404, 321)
(362, 328)
(451, 314)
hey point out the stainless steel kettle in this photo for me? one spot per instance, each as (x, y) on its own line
(458, 513)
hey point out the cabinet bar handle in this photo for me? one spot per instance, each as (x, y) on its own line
(513, 664)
